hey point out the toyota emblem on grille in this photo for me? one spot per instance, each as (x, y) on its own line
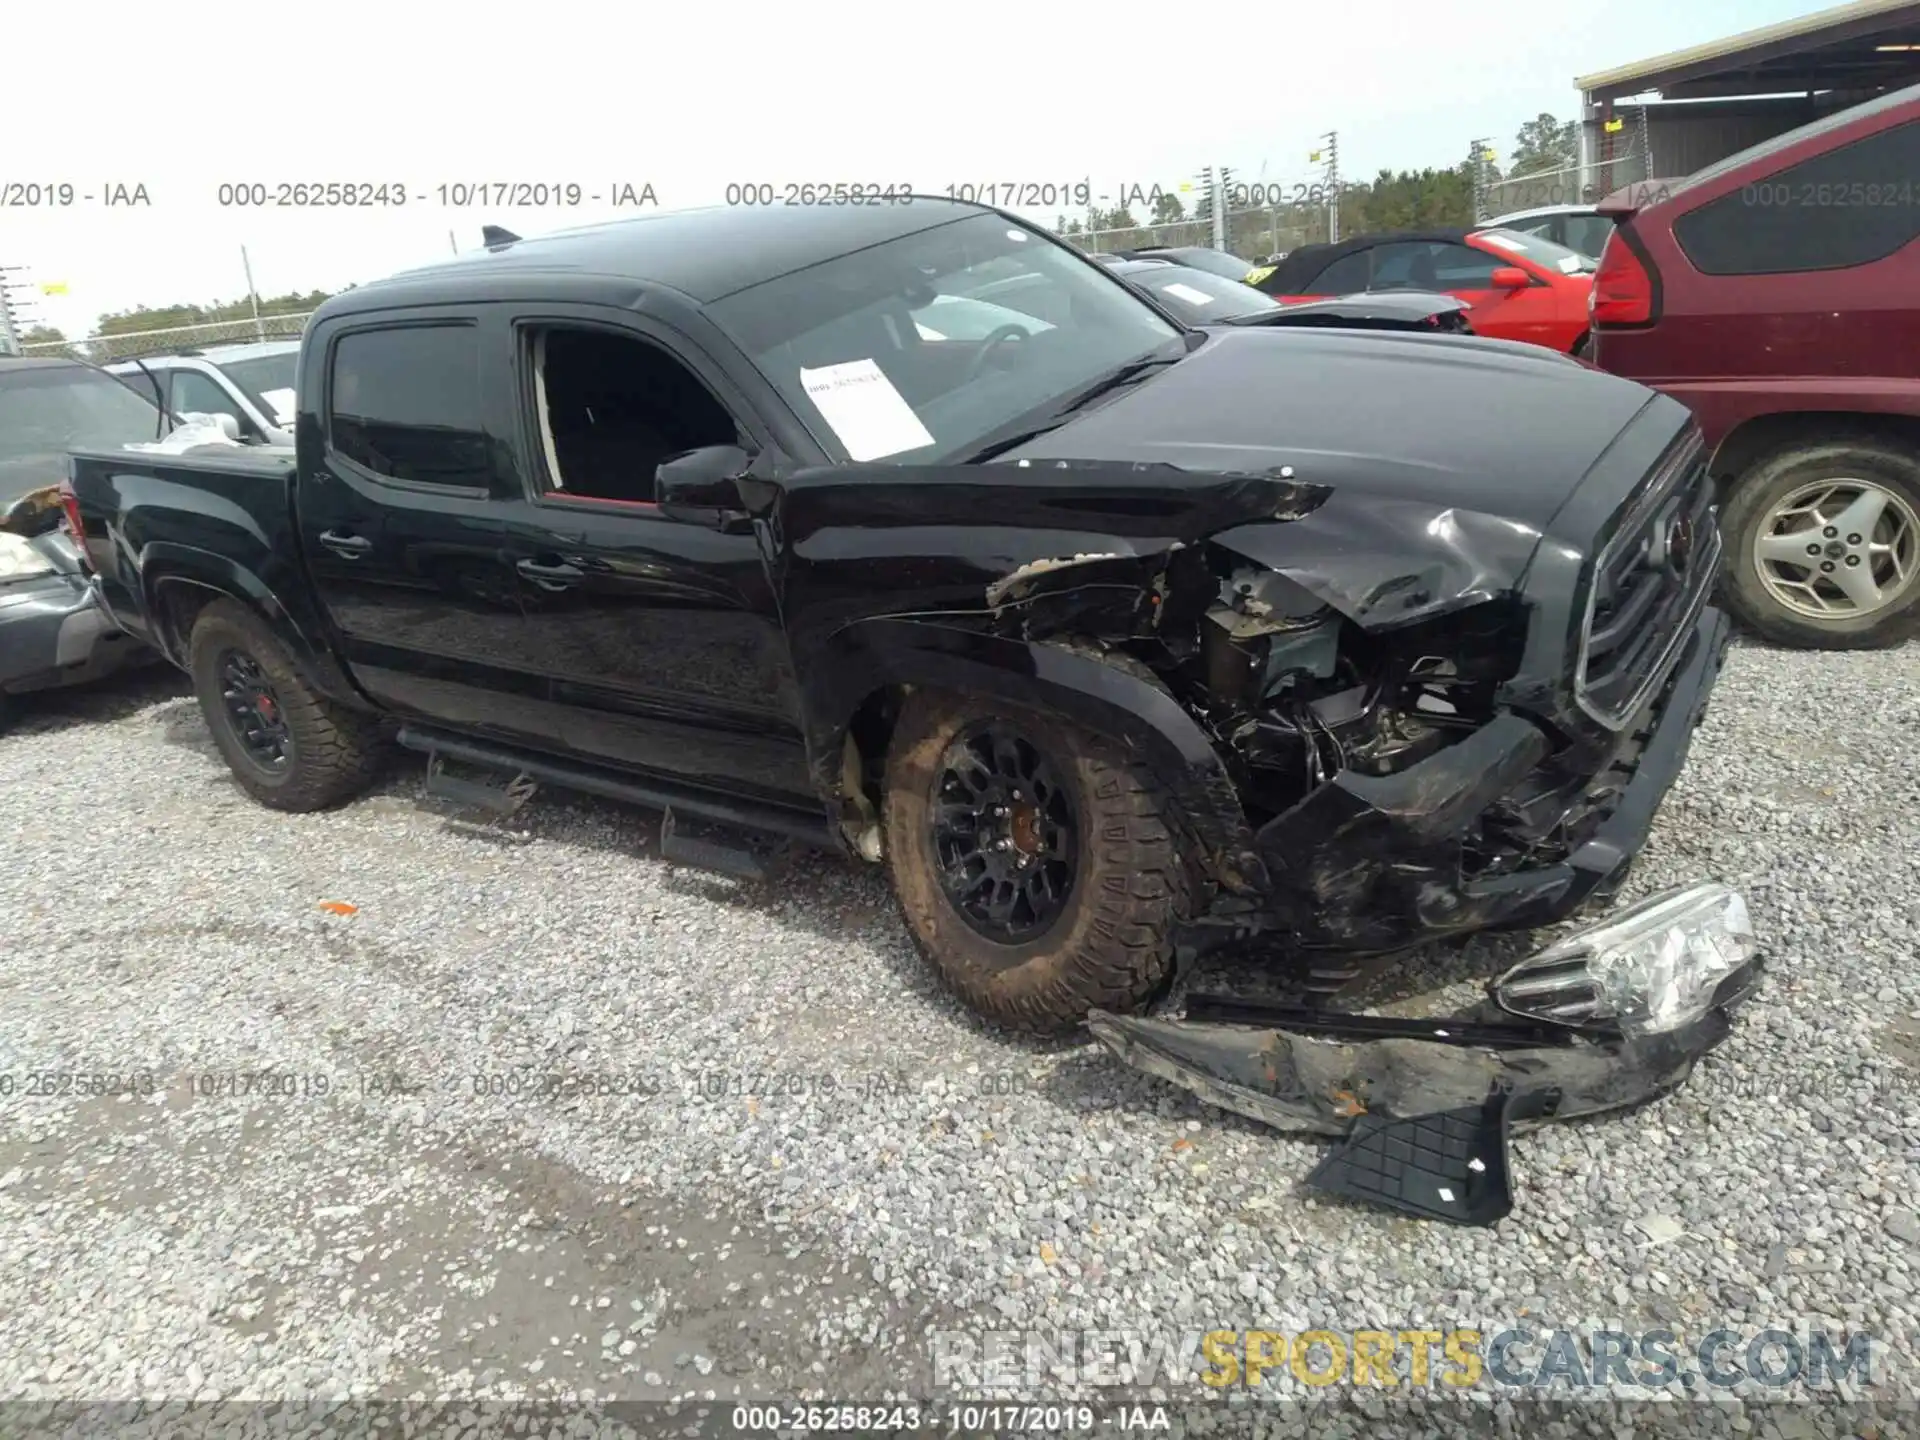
(1680, 544)
(1670, 547)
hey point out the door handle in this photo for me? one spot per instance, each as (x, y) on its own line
(561, 574)
(348, 547)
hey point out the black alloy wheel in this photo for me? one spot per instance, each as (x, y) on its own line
(1005, 833)
(253, 710)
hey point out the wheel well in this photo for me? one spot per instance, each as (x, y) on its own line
(177, 603)
(1747, 445)
(1581, 342)
(871, 730)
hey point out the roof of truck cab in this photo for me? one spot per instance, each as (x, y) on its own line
(705, 254)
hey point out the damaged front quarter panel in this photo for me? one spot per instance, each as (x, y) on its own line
(1235, 599)
(989, 578)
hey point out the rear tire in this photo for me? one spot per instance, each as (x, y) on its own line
(329, 754)
(1109, 944)
(1782, 496)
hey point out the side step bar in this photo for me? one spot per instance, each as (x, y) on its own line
(529, 769)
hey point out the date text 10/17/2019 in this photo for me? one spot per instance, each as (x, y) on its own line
(447, 195)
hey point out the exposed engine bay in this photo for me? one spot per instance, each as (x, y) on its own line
(1291, 691)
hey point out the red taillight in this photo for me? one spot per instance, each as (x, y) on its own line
(1622, 286)
(70, 505)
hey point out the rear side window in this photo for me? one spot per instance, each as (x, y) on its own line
(1347, 276)
(1850, 206)
(404, 403)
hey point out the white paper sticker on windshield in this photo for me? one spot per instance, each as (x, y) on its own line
(281, 402)
(1506, 242)
(1569, 264)
(1188, 293)
(871, 418)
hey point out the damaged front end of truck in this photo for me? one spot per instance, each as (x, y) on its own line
(1389, 720)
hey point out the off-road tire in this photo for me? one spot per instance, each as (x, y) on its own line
(335, 753)
(1111, 948)
(1751, 500)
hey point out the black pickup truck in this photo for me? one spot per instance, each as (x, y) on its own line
(1111, 637)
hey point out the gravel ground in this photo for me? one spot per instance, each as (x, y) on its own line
(808, 1158)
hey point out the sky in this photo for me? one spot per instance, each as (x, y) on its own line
(691, 98)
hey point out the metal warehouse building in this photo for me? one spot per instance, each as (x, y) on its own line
(1671, 115)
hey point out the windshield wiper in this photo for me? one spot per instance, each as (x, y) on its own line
(1061, 413)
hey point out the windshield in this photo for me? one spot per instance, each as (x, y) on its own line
(961, 317)
(267, 381)
(843, 341)
(1540, 250)
(45, 412)
(1213, 262)
(1197, 297)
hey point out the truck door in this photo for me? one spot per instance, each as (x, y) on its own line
(404, 523)
(660, 635)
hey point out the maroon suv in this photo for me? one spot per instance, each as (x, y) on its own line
(1777, 294)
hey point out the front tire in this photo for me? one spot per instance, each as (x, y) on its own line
(289, 748)
(1823, 546)
(1075, 911)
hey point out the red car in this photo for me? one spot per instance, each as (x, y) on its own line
(1777, 295)
(1520, 287)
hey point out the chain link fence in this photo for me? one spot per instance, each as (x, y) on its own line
(138, 344)
(1251, 234)
(1621, 157)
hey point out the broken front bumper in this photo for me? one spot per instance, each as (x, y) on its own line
(1370, 865)
(1425, 1105)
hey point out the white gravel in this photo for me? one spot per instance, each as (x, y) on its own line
(400, 1235)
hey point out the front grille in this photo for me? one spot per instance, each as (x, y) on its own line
(1649, 583)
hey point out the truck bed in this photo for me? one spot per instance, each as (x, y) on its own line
(214, 514)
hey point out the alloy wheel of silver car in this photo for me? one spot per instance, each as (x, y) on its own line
(1837, 549)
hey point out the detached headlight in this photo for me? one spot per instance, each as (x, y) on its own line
(20, 561)
(1653, 967)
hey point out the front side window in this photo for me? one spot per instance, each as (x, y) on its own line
(844, 343)
(1850, 206)
(405, 404)
(193, 393)
(268, 381)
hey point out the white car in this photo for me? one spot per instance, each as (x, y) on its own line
(1581, 228)
(252, 383)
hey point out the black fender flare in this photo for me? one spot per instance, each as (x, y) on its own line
(869, 656)
(164, 565)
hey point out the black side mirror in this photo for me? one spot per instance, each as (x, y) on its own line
(698, 486)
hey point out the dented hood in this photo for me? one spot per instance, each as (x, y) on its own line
(1448, 422)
